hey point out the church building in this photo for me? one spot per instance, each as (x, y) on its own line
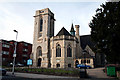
(61, 51)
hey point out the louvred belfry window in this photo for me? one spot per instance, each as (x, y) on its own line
(41, 24)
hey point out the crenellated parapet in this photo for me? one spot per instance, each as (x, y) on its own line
(63, 37)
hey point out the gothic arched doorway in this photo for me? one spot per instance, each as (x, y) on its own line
(39, 62)
(76, 63)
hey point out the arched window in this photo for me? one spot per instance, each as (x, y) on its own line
(39, 51)
(41, 24)
(82, 61)
(69, 51)
(76, 63)
(69, 65)
(57, 65)
(58, 51)
(88, 61)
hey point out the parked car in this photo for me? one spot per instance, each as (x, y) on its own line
(3, 71)
(16, 65)
(83, 66)
(19, 65)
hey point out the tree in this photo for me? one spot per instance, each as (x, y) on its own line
(105, 30)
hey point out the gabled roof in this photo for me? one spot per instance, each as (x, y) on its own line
(63, 31)
(86, 40)
(85, 56)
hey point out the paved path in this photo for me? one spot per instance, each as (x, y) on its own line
(97, 73)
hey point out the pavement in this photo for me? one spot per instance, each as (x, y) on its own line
(97, 73)
(30, 75)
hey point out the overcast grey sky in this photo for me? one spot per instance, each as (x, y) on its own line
(19, 16)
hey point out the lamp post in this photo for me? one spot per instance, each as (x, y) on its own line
(14, 54)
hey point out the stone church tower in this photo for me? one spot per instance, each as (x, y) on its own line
(43, 31)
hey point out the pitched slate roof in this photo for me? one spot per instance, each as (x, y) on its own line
(63, 31)
(86, 40)
(85, 55)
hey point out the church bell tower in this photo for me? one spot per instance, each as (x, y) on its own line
(43, 31)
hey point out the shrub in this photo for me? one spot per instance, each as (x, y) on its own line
(63, 72)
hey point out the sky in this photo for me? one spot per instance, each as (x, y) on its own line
(19, 16)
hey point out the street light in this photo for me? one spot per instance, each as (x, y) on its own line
(14, 54)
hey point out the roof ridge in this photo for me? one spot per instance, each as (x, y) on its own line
(63, 31)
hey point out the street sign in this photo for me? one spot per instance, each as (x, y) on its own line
(29, 62)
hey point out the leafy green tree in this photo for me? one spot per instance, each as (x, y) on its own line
(105, 30)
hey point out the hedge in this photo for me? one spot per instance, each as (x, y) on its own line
(48, 71)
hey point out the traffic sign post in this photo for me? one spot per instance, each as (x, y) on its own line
(29, 62)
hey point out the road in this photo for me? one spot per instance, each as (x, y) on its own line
(94, 74)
